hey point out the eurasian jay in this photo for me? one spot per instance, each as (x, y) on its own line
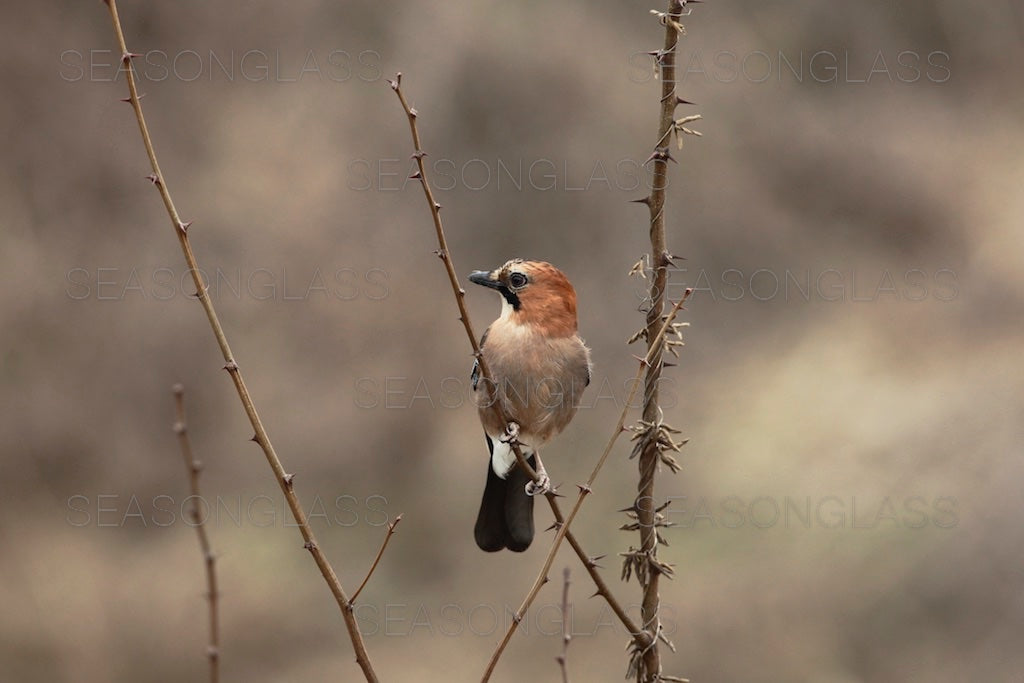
(539, 369)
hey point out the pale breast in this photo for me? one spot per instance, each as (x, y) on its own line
(540, 381)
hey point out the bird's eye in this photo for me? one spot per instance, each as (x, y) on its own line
(517, 280)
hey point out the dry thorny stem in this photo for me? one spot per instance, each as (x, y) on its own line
(654, 439)
(284, 479)
(563, 657)
(640, 638)
(194, 467)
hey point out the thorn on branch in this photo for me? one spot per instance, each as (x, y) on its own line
(660, 154)
(231, 366)
(153, 178)
(184, 226)
(289, 480)
(658, 55)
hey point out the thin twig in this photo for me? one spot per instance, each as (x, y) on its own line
(194, 467)
(563, 658)
(376, 560)
(590, 563)
(284, 480)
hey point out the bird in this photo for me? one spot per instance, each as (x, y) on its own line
(539, 369)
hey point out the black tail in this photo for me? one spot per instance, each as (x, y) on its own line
(505, 519)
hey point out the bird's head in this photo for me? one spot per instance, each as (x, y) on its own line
(533, 293)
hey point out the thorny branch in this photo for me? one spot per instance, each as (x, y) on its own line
(654, 439)
(284, 479)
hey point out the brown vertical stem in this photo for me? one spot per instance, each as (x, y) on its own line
(650, 454)
(209, 559)
(563, 657)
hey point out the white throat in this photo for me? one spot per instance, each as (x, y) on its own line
(506, 309)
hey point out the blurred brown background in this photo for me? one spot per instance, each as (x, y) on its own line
(849, 502)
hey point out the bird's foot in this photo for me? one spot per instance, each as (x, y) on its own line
(511, 434)
(542, 486)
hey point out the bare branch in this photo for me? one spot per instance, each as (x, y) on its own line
(376, 560)
(563, 658)
(194, 467)
(259, 432)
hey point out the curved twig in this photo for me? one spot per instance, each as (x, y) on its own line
(376, 560)
(284, 480)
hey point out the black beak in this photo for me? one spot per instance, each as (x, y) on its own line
(485, 278)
